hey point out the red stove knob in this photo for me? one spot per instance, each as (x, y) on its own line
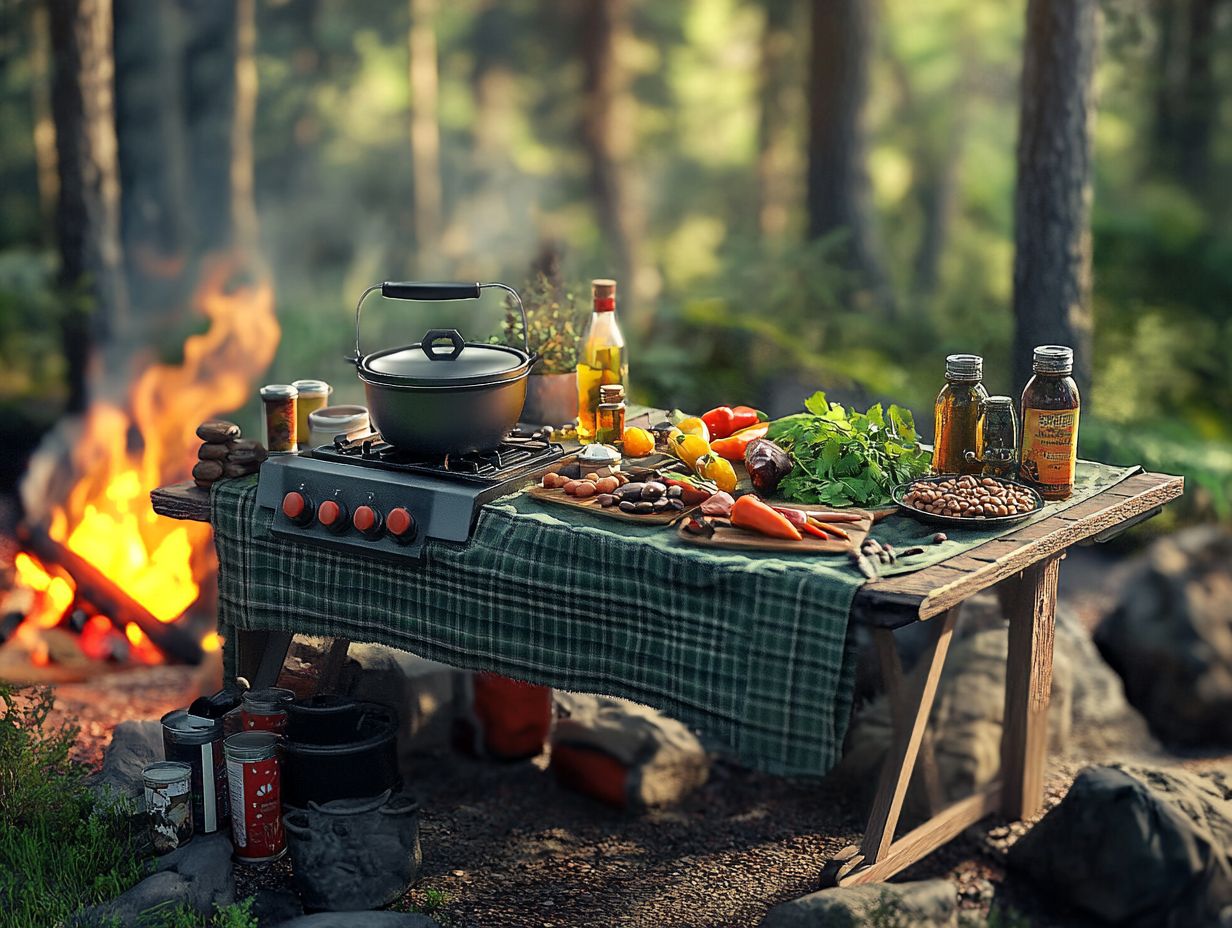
(367, 521)
(401, 525)
(297, 507)
(333, 515)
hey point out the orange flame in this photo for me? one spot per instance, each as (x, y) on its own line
(107, 519)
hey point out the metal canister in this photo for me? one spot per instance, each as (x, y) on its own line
(266, 709)
(168, 809)
(254, 776)
(197, 741)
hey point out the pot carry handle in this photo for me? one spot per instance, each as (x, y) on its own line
(432, 292)
(453, 336)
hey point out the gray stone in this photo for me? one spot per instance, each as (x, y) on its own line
(419, 690)
(134, 745)
(1136, 846)
(1088, 711)
(1170, 637)
(665, 761)
(362, 920)
(275, 906)
(891, 905)
(199, 874)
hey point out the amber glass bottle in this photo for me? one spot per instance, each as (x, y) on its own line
(1050, 407)
(958, 417)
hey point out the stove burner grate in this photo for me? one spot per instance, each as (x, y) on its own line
(517, 454)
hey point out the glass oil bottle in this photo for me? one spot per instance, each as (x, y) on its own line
(603, 359)
(958, 417)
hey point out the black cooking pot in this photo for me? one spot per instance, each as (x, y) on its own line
(444, 395)
(338, 749)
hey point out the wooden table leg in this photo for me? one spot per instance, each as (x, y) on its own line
(331, 669)
(1031, 603)
(260, 655)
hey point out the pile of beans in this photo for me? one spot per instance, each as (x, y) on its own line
(970, 497)
(633, 497)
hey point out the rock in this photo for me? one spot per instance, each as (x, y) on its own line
(217, 430)
(207, 470)
(212, 451)
(625, 754)
(246, 451)
(198, 874)
(1136, 846)
(361, 920)
(1170, 637)
(419, 690)
(926, 903)
(275, 906)
(133, 745)
(1088, 710)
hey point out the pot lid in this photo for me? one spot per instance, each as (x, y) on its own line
(444, 356)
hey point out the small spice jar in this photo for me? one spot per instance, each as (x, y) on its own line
(280, 418)
(312, 395)
(266, 709)
(610, 414)
(1050, 408)
(1000, 438)
(168, 804)
(959, 417)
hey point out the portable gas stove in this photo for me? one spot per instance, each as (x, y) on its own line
(366, 495)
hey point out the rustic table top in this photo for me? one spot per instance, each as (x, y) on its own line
(906, 598)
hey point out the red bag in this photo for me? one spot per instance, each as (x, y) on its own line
(501, 718)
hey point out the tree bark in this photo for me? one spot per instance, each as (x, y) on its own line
(1052, 232)
(44, 120)
(245, 228)
(838, 186)
(427, 209)
(1198, 104)
(774, 79)
(87, 209)
(607, 134)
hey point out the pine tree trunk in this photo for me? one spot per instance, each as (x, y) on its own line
(774, 78)
(44, 120)
(607, 132)
(838, 186)
(425, 133)
(87, 209)
(1198, 109)
(245, 228)
(1052, 232)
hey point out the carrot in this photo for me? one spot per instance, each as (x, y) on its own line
(751, 513)
(835, 516)
(814, 531)
(832, 529)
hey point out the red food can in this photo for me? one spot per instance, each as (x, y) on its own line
(266, 709)
(255, 780)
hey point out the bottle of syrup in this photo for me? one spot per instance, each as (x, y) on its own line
(958, 417)
(1050, 407)
(602, 360)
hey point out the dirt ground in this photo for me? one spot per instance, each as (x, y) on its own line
(505, 846)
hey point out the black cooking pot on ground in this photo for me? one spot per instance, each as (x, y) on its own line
(444, 395)
(338, 749)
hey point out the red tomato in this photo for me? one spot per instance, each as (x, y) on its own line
(743, 417)
(719, 421)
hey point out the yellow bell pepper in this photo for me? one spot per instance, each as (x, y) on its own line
(688, 447)
(694, 426)
(717, 470)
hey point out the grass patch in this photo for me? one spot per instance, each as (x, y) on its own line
(236, 915)
(59, 850)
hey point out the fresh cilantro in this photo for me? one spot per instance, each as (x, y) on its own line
(847, 458)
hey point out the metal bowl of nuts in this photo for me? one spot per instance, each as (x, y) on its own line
(968, 500)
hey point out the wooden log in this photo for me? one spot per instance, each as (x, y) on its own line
(96, 589)
(185, 501)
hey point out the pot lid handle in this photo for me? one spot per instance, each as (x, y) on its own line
(433, 292)
(453, 336)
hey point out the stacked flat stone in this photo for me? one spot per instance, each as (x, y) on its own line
(224, 454)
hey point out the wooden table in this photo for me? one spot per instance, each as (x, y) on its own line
(1023, 565)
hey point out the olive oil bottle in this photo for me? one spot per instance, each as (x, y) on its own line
(603, 358)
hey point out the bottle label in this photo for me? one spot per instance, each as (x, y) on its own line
(1050, 447)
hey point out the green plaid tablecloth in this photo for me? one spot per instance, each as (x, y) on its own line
(751, 648)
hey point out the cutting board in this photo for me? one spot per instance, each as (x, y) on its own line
(591, 505)
(742, 539)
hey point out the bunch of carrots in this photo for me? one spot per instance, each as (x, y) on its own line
(751, 513)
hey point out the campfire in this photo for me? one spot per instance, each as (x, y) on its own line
(94, 559)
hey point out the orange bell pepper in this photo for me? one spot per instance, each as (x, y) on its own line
(733, 446)
(751, 513)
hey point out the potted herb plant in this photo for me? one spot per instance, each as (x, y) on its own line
(555, 322)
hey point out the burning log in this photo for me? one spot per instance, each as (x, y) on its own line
(106, 598)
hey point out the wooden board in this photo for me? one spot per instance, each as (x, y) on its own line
(742, 539)
(182, 501)
(591, 506)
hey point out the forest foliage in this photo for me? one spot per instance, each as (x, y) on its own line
(728, 299)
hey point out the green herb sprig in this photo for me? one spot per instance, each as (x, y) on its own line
(848, 458)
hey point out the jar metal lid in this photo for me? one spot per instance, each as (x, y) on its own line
(1053, 359)
(611, 392)
(164, 772)
(251, 745)
(337, 420)
(312, 387)
(967, 367)
(999, 402)
(278, 391)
